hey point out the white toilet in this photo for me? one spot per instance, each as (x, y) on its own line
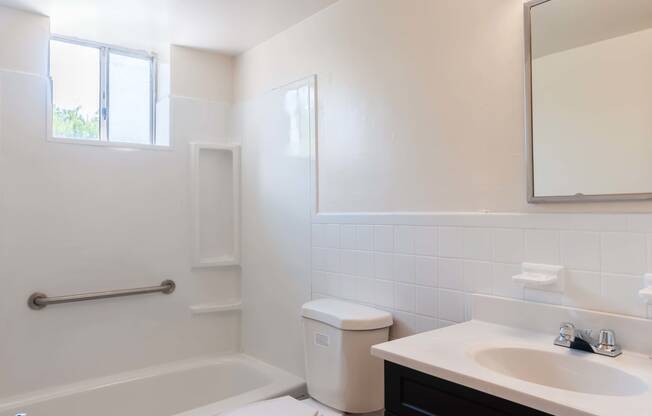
(341, 374)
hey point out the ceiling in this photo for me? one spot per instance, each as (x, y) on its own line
(559, 25)
(227, 26)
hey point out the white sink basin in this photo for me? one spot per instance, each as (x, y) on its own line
(560, 370)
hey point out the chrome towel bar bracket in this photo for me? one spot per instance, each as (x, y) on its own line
(39, 300)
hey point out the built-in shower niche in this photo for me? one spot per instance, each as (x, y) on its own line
(215, 189)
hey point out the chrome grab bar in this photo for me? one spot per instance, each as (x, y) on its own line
(39, 300)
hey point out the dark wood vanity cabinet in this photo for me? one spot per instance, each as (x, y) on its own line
(411, 393)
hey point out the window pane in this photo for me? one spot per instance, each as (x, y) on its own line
(75, 72)
(129, 99)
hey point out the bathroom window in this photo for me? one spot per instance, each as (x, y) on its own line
(102, 93)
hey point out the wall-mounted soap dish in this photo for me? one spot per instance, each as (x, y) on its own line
(541, 276)
(646, 292)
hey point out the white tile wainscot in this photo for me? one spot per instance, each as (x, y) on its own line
(424, 267)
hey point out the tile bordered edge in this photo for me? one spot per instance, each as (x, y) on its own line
(561, 221)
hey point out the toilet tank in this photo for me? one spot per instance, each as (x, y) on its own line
(340, 371)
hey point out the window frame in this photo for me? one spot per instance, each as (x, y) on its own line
(105, 51)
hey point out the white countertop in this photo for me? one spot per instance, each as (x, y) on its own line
(447, 353)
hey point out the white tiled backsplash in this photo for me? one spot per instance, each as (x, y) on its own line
(423, 267)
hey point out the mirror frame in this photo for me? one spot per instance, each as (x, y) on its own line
(529, 133)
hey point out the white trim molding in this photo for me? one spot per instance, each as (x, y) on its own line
(556, 221)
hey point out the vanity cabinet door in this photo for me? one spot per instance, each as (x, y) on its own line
(411, 393)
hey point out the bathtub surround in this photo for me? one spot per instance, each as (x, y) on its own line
(276, 205)
(77, 218)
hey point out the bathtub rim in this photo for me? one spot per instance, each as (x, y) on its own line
(282, 383)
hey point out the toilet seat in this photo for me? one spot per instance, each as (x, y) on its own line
(283, 406)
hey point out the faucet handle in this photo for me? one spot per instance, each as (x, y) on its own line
(607, 338)
(566, 333)
(607, 343)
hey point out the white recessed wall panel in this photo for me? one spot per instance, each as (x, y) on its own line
(216, 204)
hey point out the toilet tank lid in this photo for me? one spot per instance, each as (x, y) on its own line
(346, 315)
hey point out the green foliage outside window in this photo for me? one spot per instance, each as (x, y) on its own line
(70, 123)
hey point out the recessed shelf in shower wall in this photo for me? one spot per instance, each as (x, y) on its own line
(215, 192)
(205, 308)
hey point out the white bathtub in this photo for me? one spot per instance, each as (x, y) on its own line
(199, 387)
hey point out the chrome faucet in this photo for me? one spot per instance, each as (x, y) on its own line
(581, 339)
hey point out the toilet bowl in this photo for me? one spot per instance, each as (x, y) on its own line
(341, 375)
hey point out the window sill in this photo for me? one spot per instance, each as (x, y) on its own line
(115, 145)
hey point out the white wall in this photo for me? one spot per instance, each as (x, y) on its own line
(202, 75)
(420, 103)
(21, 32)
(78, 218)
(420, 109)
(591, 118)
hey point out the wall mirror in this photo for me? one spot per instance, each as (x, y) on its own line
(588, 99)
